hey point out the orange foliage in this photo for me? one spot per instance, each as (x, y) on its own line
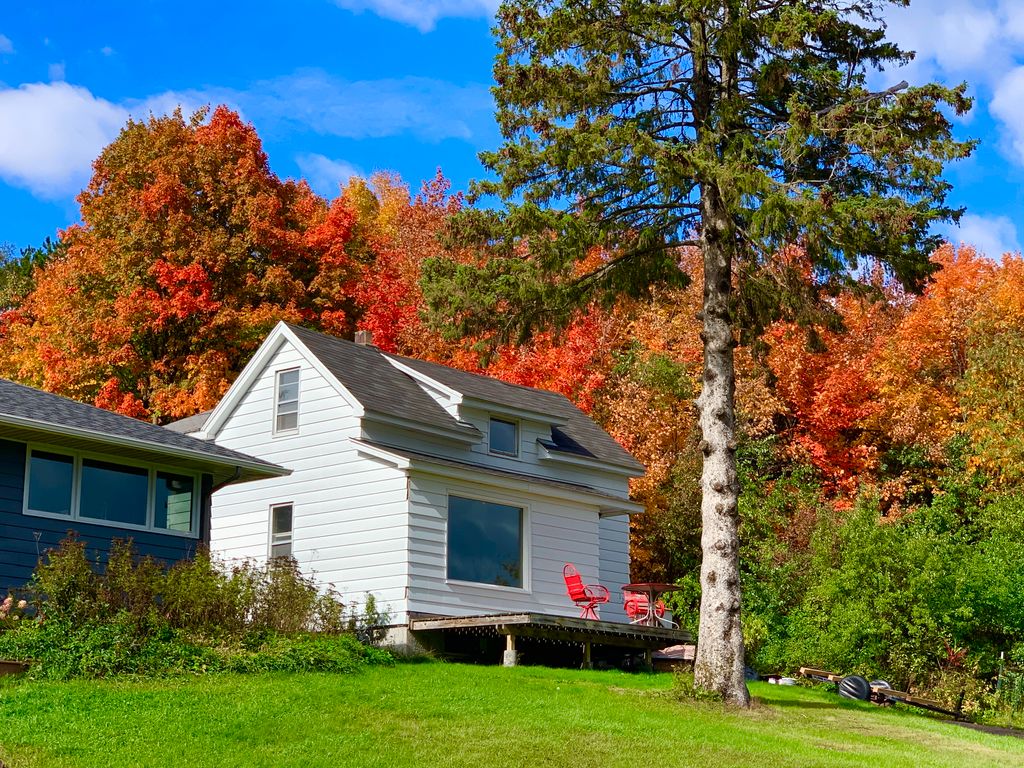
(918, 370)
(189, 251)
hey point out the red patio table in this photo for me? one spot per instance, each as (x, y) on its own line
(652, 590)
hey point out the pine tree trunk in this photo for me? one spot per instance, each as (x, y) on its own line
(720, 658)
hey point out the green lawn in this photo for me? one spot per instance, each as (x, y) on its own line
(437, 714)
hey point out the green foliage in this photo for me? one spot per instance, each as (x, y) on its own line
(17, 272)
(131, 617)
(927, 601)
(629, 128)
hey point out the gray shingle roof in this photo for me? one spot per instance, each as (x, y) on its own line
(48, 410)
(375, 383)
(382, 388)
(189, 423)
(580, 435)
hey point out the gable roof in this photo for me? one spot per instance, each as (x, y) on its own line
(381, 387)
(25, 411)
(376, 384)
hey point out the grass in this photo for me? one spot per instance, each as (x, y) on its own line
(452, 715)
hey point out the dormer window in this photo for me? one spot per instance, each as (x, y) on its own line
(286, 406)
(503, 437)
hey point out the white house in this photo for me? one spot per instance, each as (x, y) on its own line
(443, 493)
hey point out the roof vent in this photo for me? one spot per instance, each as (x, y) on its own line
(364, 338)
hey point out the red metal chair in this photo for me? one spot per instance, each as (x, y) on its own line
(586, 596)
(637, 606)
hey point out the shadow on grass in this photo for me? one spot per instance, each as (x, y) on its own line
(800, 703)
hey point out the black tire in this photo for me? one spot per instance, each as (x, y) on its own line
(855, 687)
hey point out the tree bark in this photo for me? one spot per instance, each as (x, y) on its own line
(720, 656)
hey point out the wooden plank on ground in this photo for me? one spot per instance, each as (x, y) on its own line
(12, 667)
(821, 674)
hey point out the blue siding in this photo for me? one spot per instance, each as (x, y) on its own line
(23, 538)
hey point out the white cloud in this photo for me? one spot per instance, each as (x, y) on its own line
(952, 38)
(431, 110)
(422, 14)
(325, 175)
(990, 235)
(50, 134)
(106, 50)
(1007, 106)
(6, 46)
(56, 72)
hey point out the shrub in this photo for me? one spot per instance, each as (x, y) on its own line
(133, 617)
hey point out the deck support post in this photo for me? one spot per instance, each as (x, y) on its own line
(648, 660)
(511, 658)
(587, 662)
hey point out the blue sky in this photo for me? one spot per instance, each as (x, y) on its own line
(336, 87)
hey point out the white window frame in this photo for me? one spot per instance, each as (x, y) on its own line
(277, 403)
(76, 490)
(475, 495)
(291, 533)
(504, 420)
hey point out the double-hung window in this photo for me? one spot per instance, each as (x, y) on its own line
(286, 404)
(108, 492)
(485, 542)
(281, 530)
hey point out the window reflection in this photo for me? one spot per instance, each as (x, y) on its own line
(51, 478)
(174, 495)
(485, 542)
(114, 492)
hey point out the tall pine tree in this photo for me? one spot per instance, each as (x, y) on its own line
(734, 126)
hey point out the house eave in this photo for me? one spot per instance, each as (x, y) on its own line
(409, 461)
(249, 470)
(500, 409)
(467, 435)
(562, 457)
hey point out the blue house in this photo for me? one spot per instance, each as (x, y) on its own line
(67, 466)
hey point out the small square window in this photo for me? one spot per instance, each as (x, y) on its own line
(286, 407)
(281, 530)
(503, 437)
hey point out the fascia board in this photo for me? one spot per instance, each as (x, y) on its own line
(500, 409)
(459, 436)
(453, 396)
(401, 462)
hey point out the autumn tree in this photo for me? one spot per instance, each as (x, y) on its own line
(733, 126)
(993, 377)
(190, 249)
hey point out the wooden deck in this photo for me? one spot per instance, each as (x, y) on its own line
(564, 629)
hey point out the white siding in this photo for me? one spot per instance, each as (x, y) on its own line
(350, 514)
(557, 532)
(614, 534)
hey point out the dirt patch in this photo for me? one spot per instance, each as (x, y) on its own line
(993, 729)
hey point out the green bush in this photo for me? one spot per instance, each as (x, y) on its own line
(131, 617)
